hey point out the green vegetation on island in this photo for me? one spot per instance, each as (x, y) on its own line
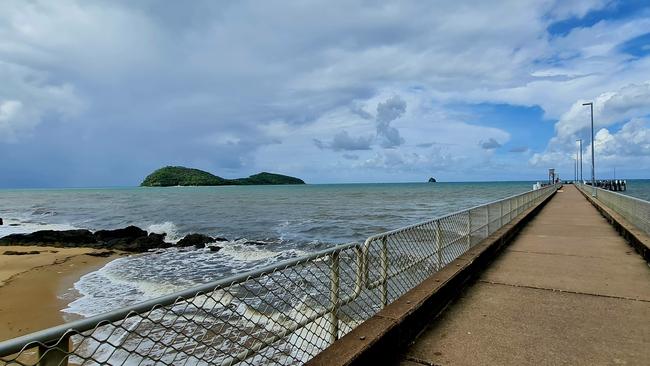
(182, 176)
(268, 178)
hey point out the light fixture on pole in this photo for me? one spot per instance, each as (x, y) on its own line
(593, 166)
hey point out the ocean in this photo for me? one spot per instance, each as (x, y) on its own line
(289, 220)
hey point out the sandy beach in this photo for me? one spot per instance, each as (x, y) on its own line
(30, 285)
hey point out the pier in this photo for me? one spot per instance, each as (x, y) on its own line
(568, 290)
(615, 185)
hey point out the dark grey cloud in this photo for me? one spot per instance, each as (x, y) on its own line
(343, 141)
(351, 156)
(490, 144)
(359, 111)
(518, 149)
(426, 144)
(388, 111)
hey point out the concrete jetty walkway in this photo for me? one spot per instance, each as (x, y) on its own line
(568, 291)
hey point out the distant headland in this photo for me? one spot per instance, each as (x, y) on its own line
(181, 176)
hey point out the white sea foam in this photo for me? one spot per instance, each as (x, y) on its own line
(14, 226)
(240, 251)
(136, 278)
(168, 228)
(139, 277)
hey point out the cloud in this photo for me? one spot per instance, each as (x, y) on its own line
(343, 141)
(632, 140)
(425, 144)
(396, 160)
(351, 156)
(388, 111)
(627, 149)
(359, 111)
(609, 108)
(9, 109)
(32, 99)
(624, 105)
(490, 144)
(197, 85)
(518, 149)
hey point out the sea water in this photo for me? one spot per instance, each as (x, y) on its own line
(289, 221)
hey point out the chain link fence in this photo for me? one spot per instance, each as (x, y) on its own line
(634, 210)
(284, 314)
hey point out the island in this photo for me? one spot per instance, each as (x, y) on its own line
(432, 180)
(170, 176)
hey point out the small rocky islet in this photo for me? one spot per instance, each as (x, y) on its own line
(129, 239)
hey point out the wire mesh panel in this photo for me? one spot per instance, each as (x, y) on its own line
(284, 314)
(634, 210)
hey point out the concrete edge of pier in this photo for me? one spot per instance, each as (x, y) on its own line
(382, 338)
(637, 238)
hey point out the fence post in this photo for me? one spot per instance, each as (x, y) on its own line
(439, 244)
(500, 214)
(487, 218)
(469, 229)
(384, 271)
(334, 297)
(56, 354)
(525, 203)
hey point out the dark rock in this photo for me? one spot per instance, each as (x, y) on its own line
(196, 240)
(432, 180)
(127, 234)
(13, 252)
(64, 238)
(130, 239)
(220, 239)
(101, 254)
(214, 248)
(141, 244)
(1, 222)
(14, 224)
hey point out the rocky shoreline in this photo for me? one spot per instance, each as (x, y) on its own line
(129, 239)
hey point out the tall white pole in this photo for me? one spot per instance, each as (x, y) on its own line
(575, 170)
(593, 165)
(580, 161)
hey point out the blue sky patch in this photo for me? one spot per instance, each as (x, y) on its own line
(613, 11)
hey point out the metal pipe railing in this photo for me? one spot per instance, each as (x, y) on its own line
(634, 210)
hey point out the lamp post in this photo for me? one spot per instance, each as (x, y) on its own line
(580, 150)
(593, 166)
(575, 167)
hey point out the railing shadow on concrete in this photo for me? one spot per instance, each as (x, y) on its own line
(282, 314)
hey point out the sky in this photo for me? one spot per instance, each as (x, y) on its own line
(101, 93)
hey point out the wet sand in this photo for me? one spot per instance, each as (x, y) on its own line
(30, 286)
